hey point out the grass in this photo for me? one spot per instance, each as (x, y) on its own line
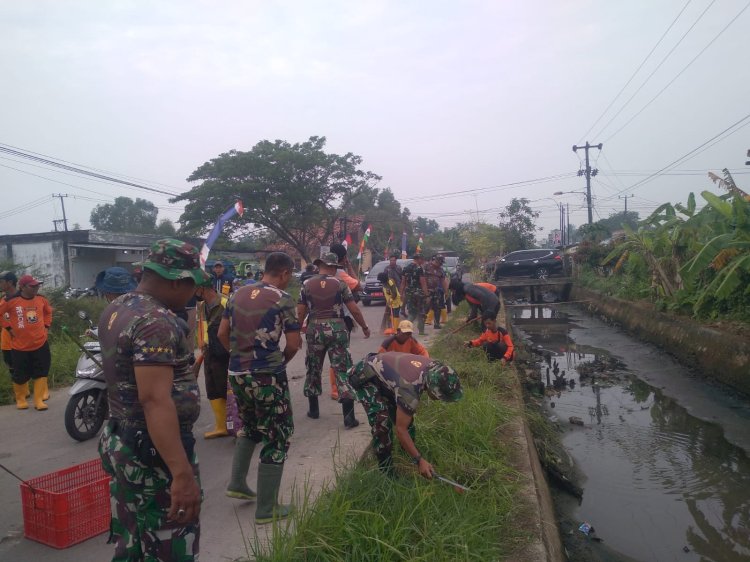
(369, 517)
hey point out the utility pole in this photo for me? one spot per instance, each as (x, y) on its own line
(626, 201)
(588, 172)
(66, 257)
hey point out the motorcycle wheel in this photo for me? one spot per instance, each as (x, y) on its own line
(83, 419)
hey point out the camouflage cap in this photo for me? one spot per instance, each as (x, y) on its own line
(442, 382)
(330, 259)
(175, 259)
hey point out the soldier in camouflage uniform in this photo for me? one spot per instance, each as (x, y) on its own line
(389, 386)
(324, 297)
(414, 289)
(437, 285)
(254, 320)
(147, 445)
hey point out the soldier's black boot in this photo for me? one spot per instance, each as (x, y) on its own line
(347, 407)
(314, 411)
(385, 464)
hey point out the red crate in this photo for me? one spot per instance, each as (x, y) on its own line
(66, 507)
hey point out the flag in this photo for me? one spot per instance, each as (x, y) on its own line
(236, 209)
(419, 244)
(345, 243)
(387, 250)
(365, 238)
(403, 245)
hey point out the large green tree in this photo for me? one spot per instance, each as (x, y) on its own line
(379, 209)
(297, 191)
(125, 215)
(518, 226)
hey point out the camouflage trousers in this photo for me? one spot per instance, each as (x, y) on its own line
(332, 337)
(140, 500)
(380, 406)
(416, 307)
(436, 304)
(265, 407)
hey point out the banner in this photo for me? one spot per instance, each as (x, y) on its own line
(365, 238)
(236, 209)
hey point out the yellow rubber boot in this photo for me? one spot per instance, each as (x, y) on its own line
(219, 406)
(21, 391)
(45, 390)
(40, 388)
(334, 388)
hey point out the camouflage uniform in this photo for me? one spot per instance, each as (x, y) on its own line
(325, 298)
(435, 275)
(414, 297)
(134, 330)
(258, 315)
(384, 381)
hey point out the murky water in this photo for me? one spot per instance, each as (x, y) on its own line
(663, 452)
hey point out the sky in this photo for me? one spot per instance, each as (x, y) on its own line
(459, 106)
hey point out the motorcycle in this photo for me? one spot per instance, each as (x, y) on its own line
(87, 407)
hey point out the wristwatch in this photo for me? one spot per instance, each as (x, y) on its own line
(415, 460)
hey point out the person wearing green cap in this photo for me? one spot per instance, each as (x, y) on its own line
(389, 386)
(147, 445)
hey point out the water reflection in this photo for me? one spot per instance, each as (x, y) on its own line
(658, 479)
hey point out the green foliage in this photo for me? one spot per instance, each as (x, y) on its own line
(517, 222)
(125, 215)
(484, 242)
(297, 191)
(166, 228)
(371, 517)
(379, 209)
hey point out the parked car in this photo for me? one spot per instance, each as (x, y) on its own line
(454, 266)
(540, 264)
(373, 289)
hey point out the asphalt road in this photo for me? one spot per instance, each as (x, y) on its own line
(36, 443)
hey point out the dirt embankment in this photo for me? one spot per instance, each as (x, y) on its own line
(722, 353)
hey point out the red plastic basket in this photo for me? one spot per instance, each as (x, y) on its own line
(66, 507)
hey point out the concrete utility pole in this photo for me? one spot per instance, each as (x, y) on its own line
(588, 172)
(66, 257)
(626, 201)
(62, 204)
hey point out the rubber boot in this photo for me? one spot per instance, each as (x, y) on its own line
(314, 411)
(385, 464)
(40, 386)
(45, 391)
(219, 406)
(334, 388)
(243, 454)
(348, 408)
(21, 391)
(269, 481)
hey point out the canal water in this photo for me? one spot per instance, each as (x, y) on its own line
(662, 453)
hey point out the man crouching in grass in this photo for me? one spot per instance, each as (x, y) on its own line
(389, 386)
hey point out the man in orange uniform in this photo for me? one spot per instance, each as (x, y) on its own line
(403, 341)
(480, 296)
(8, 281)
(495, 341)
(30, 316)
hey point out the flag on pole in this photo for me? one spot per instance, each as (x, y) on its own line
(346, 242)
(365, 238)
(236, 209)
(387, 250)
(419, 244)
(403, 245)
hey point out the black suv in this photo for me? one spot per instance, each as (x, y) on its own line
(373, 289)
(527, 263)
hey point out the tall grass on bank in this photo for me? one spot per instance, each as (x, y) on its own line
(370, 517)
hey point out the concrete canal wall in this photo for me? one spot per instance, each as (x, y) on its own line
(722, 355)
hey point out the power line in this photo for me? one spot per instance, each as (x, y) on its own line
(655, 69)
(82, 171)
(660, 92)
(636, 71)
(697, 150)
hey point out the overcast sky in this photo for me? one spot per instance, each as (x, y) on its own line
(448, 101)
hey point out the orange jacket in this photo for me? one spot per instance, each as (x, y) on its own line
(29, 319)
(410, 346)
(491, 337)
